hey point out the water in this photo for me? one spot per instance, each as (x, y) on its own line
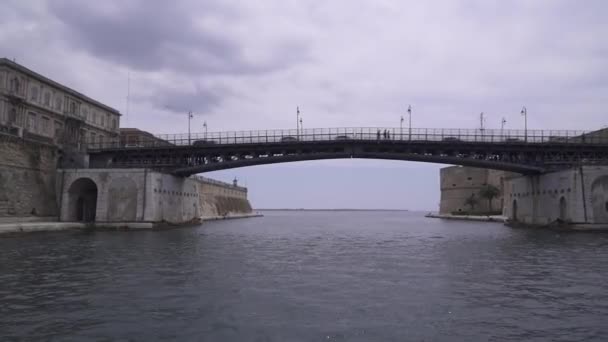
(307, 276)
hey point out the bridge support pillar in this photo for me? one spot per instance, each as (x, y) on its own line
(575, 198)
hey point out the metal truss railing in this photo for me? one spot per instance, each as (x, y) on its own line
(414, 135)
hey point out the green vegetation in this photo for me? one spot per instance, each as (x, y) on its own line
(471, 201)
(489, 192)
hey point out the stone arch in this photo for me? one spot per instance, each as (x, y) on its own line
(122, 200)
(514, 211)
(563, 209)
(599, 199)
(82, 200)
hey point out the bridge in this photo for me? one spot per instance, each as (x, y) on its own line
(526, 152)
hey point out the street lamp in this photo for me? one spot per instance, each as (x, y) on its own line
(409, 112)
(301, 126)
(524, 112)
(502, 127)
(205, 126)
(401, 129)
(190, 116)
(298, 121)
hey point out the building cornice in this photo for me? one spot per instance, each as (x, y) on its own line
(8, 63)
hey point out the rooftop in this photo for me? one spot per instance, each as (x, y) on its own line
(7, 62)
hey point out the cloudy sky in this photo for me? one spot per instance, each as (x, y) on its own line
(242, 65)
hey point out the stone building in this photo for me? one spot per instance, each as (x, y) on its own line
(38, 108)
(42, 127)
(459, 183)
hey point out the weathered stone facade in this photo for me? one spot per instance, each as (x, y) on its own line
(577, 196)
(458, 183)
(27, 180)
(141, 195)
(35, 107)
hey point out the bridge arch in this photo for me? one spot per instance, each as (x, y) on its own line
(82, 200)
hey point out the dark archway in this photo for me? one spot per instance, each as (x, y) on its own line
(563, 209)
(514, 211)
(82, 201)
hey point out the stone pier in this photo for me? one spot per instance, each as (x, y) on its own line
(113, 196)
(576, 197)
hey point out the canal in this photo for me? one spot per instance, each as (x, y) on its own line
(307, 276)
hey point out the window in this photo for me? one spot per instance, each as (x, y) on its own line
(606, 205)
(47, 99)
(12, 115)
(92, 138)
(34, 94)
(100, 140)
(94, 118)
(58, 129)
(85, 113)
(73, 108)
(15, 85)
(102, 119)
(31, 122)
(58, 103)
(114, 123)
(108, 119)
(2, 78)
(46, 126)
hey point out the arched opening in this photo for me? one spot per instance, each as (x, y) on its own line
(514, 211)
(82, 200)
(563, 209)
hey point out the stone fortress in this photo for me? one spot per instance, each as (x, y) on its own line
(43, 164)
(575, 197)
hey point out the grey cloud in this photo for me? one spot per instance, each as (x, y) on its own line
(163, 35)
(199, 99)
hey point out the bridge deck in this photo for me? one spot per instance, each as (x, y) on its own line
(519, 151)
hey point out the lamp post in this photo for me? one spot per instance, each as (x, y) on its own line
(524, 112)
(301, 126)
(190, 116)
(298, 121)
(409, 112)
(502, 127)
(205, 126)
(401, 129)
(481, 129)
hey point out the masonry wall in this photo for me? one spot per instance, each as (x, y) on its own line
(458, 183)
(577, 196)
(141, 195)
(27, 180)
(220, 199)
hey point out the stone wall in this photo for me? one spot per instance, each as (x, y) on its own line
(220, 199)
(141, 195)
(27, 180)
(458, 183)
(578, 196)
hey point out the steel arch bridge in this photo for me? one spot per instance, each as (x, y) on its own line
(526, 152)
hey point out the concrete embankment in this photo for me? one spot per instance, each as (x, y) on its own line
(34, 227)
(479, 218)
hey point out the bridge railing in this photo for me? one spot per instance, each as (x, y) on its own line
(414, 135)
